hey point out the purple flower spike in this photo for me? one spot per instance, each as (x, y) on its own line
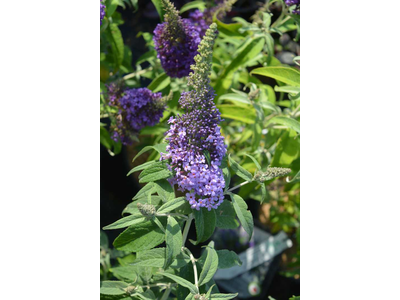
(137, 108)
(176, 41)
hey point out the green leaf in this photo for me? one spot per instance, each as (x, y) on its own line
(141, 167)
(191, 5)
(287, 150)
(205, 224)
(159, 83)
(148, 188)
(286, 121)
(126, 221)
(113, 288)
(210, 265)
(226, 216)
(126, 273)
(140, 237)
(156, 258)
(254, 160)
(240, 171)
(159, 8)
(294, 298)
(103, 240)
(249, 52)
(155, 172)
(245, 114)
(171, 205)
(223, 296)
(245, 216)
(105, 138)
(228, 259)
(181, 281)
(159, 148)
(173, 240)
(117, 43)
(111, 6)
(227, 177)
(263, 192)
(287, 89)
(231, 30)
(236, 98)
(286, 75)
(164, 190)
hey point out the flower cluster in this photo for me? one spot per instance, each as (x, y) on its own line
(136, 108)
(296, 10)
(102, 11)
(202, 20)
(195, 145)
(176, 41)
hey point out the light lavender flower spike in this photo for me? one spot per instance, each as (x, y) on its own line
(196, 146)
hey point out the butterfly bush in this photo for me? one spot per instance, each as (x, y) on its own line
(176, 41)
(102, 12)
(136, 108)
(296, 10)
(195, 144)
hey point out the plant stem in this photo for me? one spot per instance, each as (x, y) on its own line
(166, 294)
(193, 260)
(172, 215)
(236, 187)
(186, 229)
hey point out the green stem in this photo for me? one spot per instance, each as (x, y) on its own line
(166, 294)
(186, 229)
(236, 187)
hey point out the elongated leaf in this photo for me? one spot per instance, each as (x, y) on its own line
(159, 148)
(235, 97)
(287, 150)
(112, 288)
(223, 296)
(159, 83)
(191, 5)
(245, 216)
(245, 114)
(126, 221)
(286, 75)
(227, 177)
(140, 237)
(263, 193)
(181, 281)
(159, 8)
(171, 205)
(156, 258)
(228, 259)
(164, 190)
(155, 172)
(240, 171)
(286, 121)
(226, 216)
(287, 89)
(117, 43)
(210, 266)
(173, 240)
(126, 273)
(231, 30)
(205, 224)
(141, 167)
(255, 161)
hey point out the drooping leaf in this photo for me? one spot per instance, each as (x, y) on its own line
(141, 167)
(210, 265)
(245, 216)
(287, 150)
(254, 160)
(226, 216)
(173, 240)
(228, 259)
(113, 288)
(205, 224)
(223, 296)
(159, 8)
